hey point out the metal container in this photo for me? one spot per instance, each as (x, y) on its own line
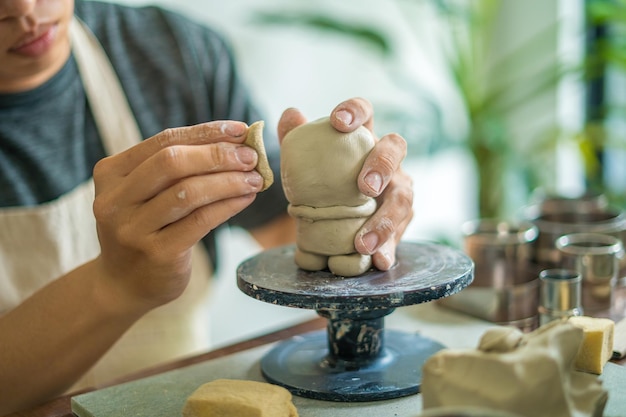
(501, 251)
(505, 289)
(559, 295)
(596, 257)
(573, 219)
(515, 305)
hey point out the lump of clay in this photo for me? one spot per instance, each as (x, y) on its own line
(530, 375)
(319, 170)
(254, 139)
(238, 398)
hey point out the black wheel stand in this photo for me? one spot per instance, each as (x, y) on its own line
(355, 359)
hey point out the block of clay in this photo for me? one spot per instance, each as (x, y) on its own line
(597, 346)
(254, 139)
(528, 374)
(239, 398)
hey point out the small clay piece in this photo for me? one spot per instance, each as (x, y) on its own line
(319, 171)
(531, 375)
(238, 398)
(254, 139)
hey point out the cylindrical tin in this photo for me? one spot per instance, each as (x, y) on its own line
(505, 289)
(501, 251)
(553, 224)
(559, 294)
(596, 258)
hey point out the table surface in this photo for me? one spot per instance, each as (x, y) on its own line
(61, 407)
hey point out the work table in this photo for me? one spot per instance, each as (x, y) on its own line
(443, 325)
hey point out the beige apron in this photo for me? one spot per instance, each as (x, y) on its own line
(41, 243)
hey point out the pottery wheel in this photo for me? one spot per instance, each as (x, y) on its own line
(355, 359)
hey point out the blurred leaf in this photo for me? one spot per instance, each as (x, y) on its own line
(606, 11)
(366, 34)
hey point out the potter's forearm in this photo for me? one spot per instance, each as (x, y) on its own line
(51, 339)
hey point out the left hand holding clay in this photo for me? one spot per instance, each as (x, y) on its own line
(381, 177)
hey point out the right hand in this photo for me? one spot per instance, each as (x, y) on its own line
(157, 199)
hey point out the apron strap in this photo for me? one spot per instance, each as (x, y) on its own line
(112, 113)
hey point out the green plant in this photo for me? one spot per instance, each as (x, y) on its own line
(507, 165)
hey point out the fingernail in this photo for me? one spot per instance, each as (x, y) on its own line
(254, 179)
(246, 155)
(344, 117)
(370, 241)
(375, 181)
(233, 129)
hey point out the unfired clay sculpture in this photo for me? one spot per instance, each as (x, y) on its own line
(528, 374)
(319, 169)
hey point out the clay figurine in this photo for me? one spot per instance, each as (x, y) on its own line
(319, 170)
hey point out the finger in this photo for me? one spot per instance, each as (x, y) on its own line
(171, 164)
(190, 229)
(289, 120)
(170, 241)
(180, 204)
(174, 163)
(204, 133)
(183, 198)
(381, 164)
(385, 256)
(390, 220)
(351, 114)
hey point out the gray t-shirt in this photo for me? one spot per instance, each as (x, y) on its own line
(175, 72)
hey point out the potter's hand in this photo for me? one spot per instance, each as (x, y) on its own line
(381, 177)
(155, 200)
